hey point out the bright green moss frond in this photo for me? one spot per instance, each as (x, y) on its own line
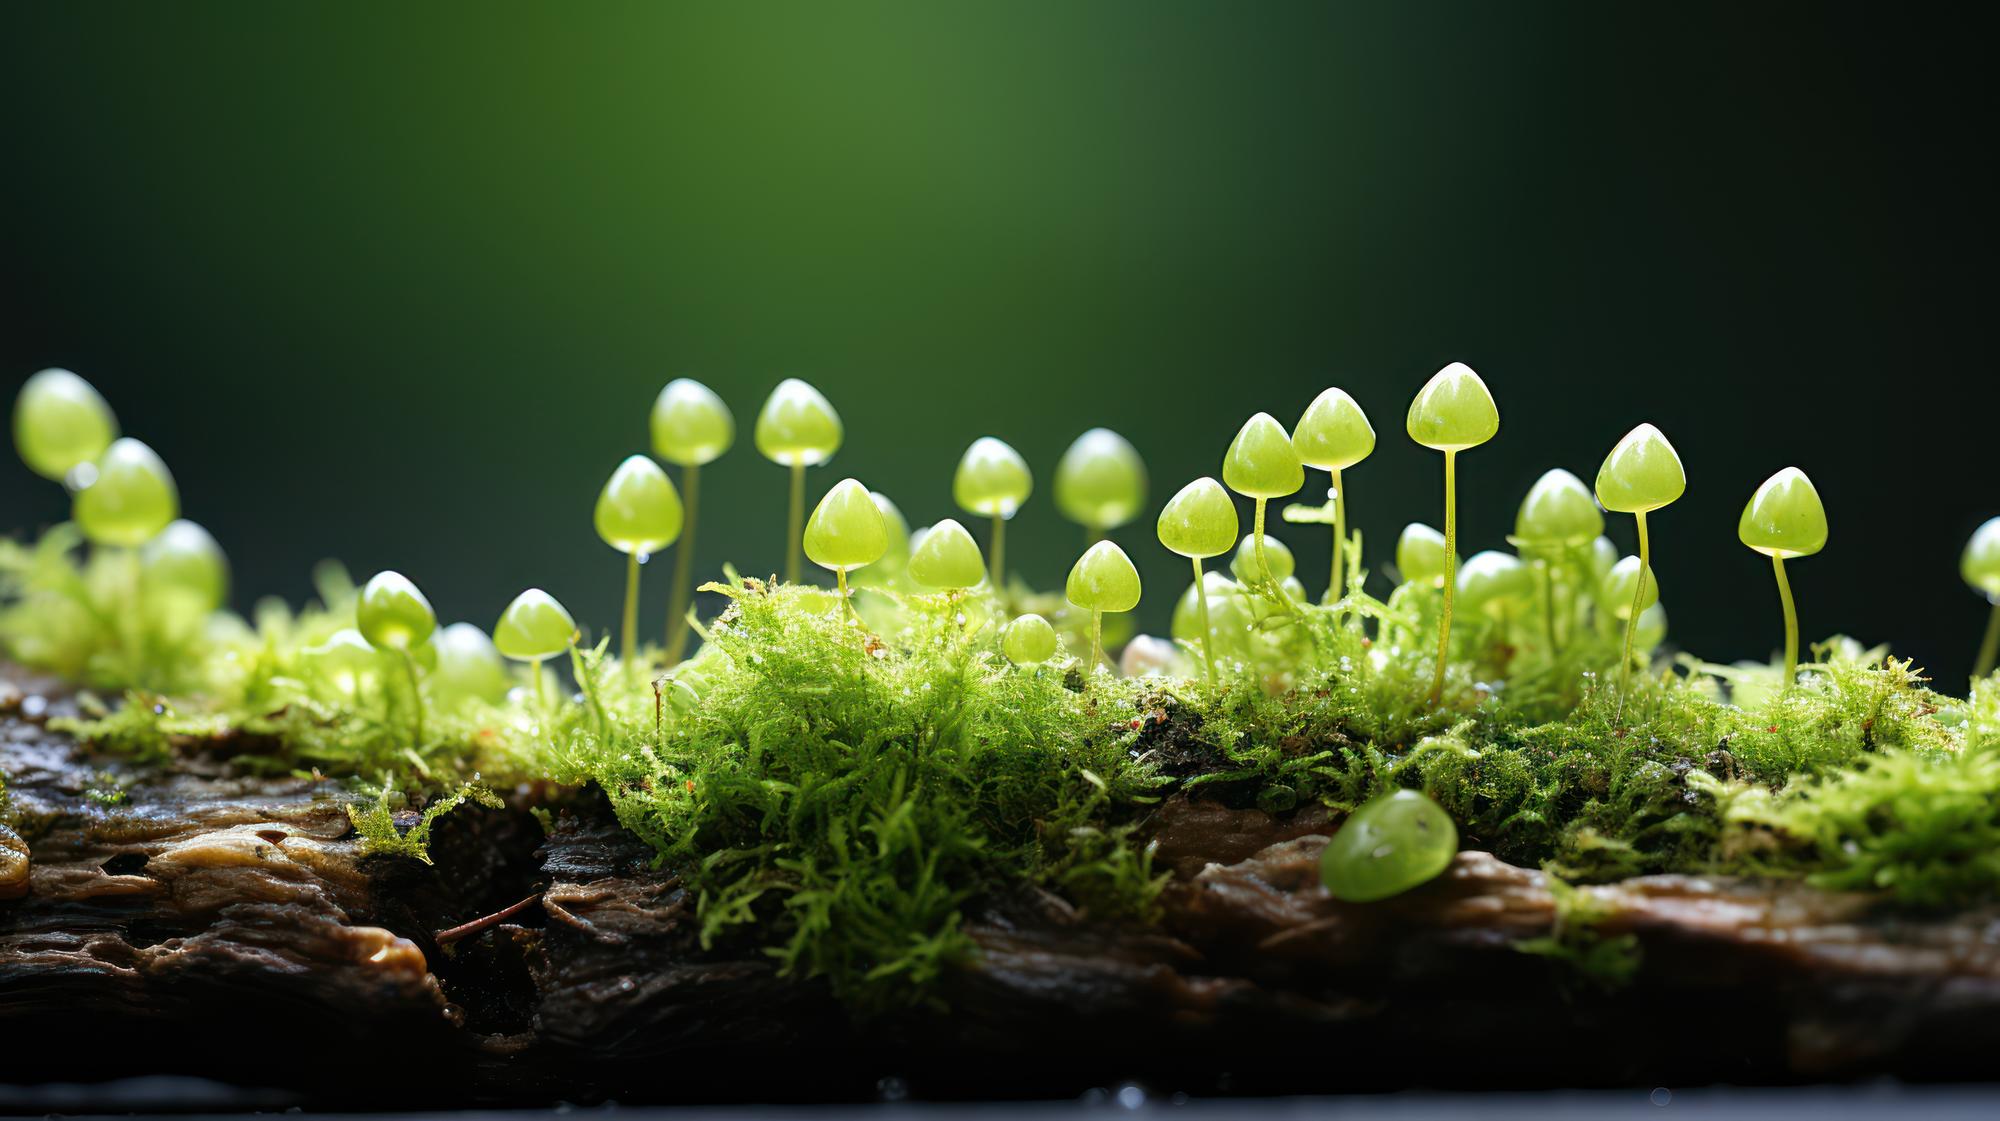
(852, 797)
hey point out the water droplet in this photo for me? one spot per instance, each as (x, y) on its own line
(892, 1089)
(1131, 1096)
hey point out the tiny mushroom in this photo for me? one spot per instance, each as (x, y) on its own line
(1333, 435)
(1100, 482)
(993, 481)
(1452, 412)
(797, 428)
(1785, 519)
(1199, 522)
(1103, 579)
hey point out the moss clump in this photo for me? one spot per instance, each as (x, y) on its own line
(850, 798)
(383, 834)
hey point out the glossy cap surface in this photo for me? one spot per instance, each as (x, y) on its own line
(639, 509)
(1199, 521)
(1100, 481)
(1261, 462)
(1784, 518)
(1103, 579)
(1453, 411)
(797, 426)
(946, 556)
(691, 425)
(846, 529)
(131, 498)
(60, 420)
(1028, 640)
(1420, 555)
(992, 479)
(1642, 473)
(534, 627)
(1333, 434)
(392, 614)
(1558, 513)
(1980, 563)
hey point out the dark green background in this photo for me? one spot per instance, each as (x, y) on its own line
(398, 282)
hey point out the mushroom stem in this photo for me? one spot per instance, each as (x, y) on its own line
(1450, 569)
(846, 597)
(1791, 620)
(628, 634)
(1096, 640)
(796, 526)
(1207, 633)
(1271, 585)
(1334, 582)
(1000, 554)
(416, 696)
(1632, 616)
(677, 628)
(1989, 647)
(1549, 603)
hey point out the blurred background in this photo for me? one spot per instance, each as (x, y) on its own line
(398, 283)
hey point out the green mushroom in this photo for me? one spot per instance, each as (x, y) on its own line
(129, 499)
(1494, 584)
(1980, 566)
(1452, 412)
(895, 560)
(184, 560)
(692, 428)
(638, 513)
(1200, 522)
(1028, 641)
(468, 665)
(797, 428)
(1629, 588)
(1103, 579)
(993, 481)
(61, 422)
(846, 532)
(1223, 621)
(1643, 473)
(1262, 561)
(1652, 628)
(946, 557)
(1333, 435)
(1557, 518)
(1784, 519)
(533, 629)
(392, 614)
(1388, 846)
(346, 659)
(1261, 465)
(1421, 556)
(1100, 482)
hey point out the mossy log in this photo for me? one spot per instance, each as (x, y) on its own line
(192, 919)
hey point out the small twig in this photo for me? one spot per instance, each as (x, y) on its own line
(467, 930)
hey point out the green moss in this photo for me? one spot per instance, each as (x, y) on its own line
(850, 798)
(1575, 942)
(377, 819)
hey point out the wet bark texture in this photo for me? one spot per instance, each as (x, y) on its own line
(194, 920)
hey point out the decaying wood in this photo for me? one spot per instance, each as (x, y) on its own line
(192, 919)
